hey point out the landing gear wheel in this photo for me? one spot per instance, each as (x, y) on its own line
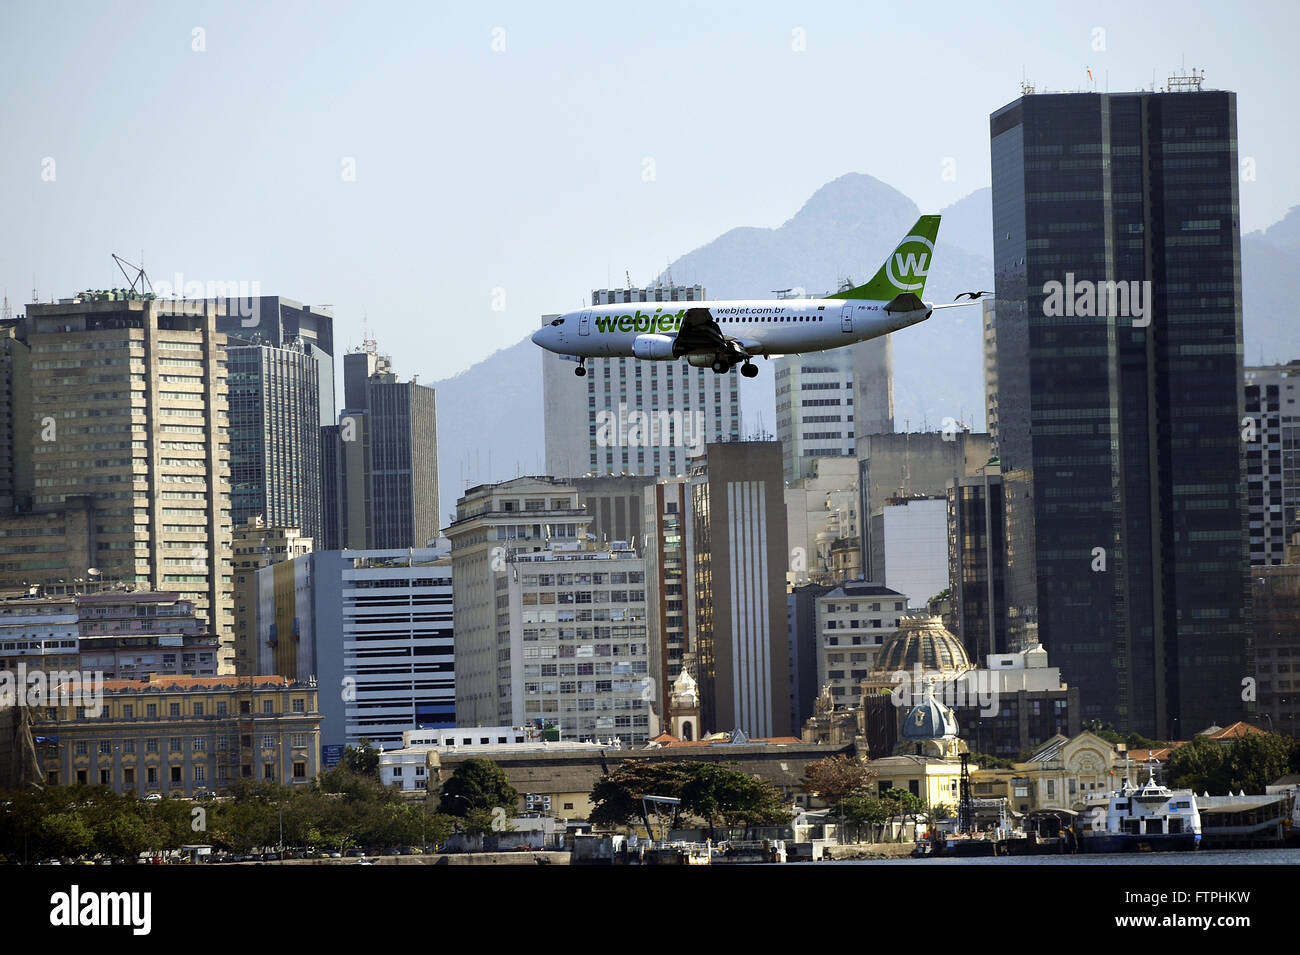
(581, 371)
(748, 370)
(720, 367)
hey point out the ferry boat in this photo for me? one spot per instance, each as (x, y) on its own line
(1150, 818)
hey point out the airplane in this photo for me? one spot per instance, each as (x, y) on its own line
(721, 335)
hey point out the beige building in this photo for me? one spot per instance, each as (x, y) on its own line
(256, 546)
(121, 460)
(181, 735)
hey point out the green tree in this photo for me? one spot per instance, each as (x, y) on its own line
(477, 784)
(1198, 765)
(616, 797)
(720, 793)
(361, 760)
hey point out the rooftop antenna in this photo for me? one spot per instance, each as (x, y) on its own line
(6, 313)
(139, 278)
(628, 273)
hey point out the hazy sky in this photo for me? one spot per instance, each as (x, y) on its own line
(508, 158)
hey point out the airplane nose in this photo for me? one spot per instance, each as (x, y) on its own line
(539, 337)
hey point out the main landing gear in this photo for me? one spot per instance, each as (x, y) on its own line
(581, 370)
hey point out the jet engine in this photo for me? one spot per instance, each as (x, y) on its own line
(653, 347)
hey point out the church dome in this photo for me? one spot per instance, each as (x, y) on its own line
(922, 641)
(929, 719)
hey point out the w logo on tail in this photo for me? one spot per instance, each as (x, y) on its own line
(910, 263)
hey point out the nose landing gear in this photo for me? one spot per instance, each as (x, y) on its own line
(581, 370)
(749, 370)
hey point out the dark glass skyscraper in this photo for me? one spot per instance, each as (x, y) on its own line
(280, 364)
(1119, 359)
(381, 460)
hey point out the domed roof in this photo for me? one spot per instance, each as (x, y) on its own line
(929, 719)
(923, 641)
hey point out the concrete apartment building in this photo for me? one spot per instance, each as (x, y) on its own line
(494, 522)
(181, 735)
(853, 621)
(119, 634)
(120, 452)
(579, 651)
(373, 627)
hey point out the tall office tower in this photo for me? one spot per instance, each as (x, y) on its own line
(579, 651)
(635, 417)
(743, 662)
(275, 435)
(256, 546)
(494, 521)
(1120, 397)
(814, 408)
(991, 372)
(375, 627)
(277, 321)
(122, 457)
(976, 562)
(381, 470)
(905, 465)
(670, 596)
(821, 511)
(1272, 459)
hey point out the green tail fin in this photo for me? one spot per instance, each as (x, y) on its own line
(906, 268)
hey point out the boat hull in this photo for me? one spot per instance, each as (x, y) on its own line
(1125, 842)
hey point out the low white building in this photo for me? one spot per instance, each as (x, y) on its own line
(408, 767)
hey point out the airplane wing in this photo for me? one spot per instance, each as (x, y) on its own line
(698, 332)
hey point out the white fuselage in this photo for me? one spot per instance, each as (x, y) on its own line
(781, 327)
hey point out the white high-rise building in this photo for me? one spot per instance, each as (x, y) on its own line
(635, 417)
(375, 626)
(814, 408)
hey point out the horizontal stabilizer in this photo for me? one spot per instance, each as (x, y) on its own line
(906, 302)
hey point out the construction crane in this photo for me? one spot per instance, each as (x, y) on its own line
(140, 275)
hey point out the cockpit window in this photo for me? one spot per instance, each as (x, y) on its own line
(558, 321)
